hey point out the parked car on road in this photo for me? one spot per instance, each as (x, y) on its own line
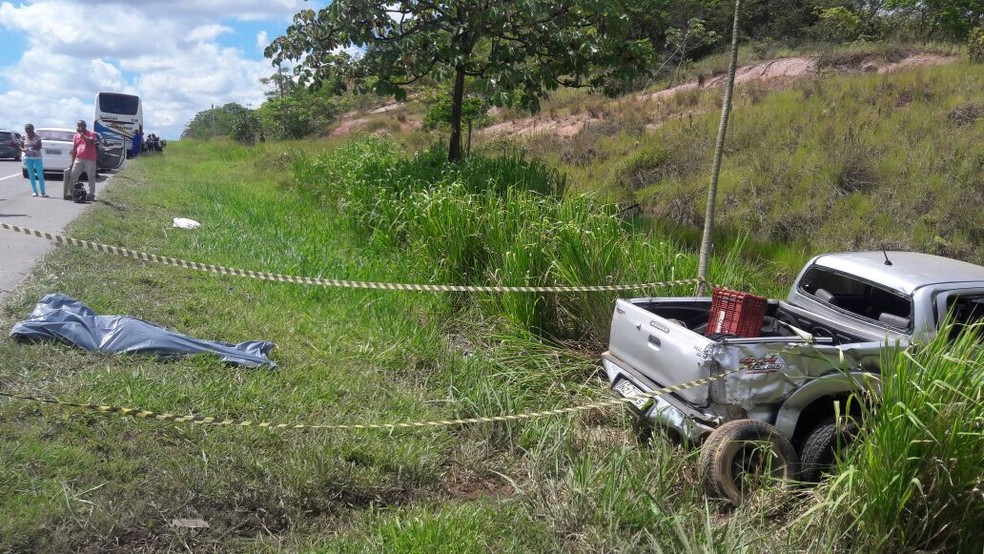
(56, 149)
(7, 147)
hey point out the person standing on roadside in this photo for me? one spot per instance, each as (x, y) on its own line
(137, 143)
(83, 159)
(30, 145)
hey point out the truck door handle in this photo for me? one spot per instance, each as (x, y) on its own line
(654, 342)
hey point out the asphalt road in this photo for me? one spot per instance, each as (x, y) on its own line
(19, 252)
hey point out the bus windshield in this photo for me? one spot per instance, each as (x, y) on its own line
(124, 104)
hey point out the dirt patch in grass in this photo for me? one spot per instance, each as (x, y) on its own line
(347, 126)
(464, 484)
(566, 126)
(782, 70)
(917, 60)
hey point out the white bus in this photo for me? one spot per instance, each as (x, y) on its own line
(117, 119)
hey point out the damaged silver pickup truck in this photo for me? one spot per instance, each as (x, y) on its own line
(789, 368)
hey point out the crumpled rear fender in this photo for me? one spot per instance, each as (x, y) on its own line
(830, 385)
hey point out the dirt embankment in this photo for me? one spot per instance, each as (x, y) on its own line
(353, 121)
(780, 72)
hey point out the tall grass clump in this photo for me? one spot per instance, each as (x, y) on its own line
(502, 221)
(914, 482)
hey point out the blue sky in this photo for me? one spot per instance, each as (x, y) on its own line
(180, 56)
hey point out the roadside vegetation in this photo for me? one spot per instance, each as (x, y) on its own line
(838, 162)
(842, 157)
(831, 162)
(913, 479)
(592, 481)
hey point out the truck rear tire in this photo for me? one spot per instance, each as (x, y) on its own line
(740, 455)
(823, 445)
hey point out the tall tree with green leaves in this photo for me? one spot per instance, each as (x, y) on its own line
(292, 111)
(518, 50)
(216, 122)
(953, 19)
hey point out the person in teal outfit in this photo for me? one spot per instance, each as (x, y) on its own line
(30, 145)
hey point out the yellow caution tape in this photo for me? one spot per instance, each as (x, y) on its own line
(233, 422)
(319, 281)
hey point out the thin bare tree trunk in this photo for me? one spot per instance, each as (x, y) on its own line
(458, 95)
(705, 243)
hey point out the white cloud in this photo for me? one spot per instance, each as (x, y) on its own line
(175, 54)
(207, 32)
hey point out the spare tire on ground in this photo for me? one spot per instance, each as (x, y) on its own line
(742, 455)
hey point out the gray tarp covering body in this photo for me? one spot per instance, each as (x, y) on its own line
(63, 318)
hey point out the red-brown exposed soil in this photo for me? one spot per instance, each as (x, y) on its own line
(779, 73)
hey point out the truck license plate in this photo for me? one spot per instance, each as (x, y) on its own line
(626, 388)
(52, 151)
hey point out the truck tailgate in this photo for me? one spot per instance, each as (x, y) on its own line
(661, 349)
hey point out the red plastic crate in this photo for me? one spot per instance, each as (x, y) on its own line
(736, 313)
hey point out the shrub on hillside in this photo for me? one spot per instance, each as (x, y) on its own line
(975, 45)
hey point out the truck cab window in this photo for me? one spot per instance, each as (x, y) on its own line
(858, 297)
(965, 310)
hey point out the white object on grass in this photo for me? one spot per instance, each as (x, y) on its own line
(185, 223)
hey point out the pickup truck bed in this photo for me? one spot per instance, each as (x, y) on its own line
(666, 336)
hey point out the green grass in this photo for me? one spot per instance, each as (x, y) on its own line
(73, 480)
(914, 481)
(495, 221)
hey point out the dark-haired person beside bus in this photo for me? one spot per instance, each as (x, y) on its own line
(137, 143)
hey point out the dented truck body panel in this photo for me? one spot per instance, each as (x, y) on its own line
(817, 344)
(668, 350)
